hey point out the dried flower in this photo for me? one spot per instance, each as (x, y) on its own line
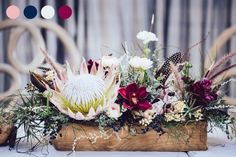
(147, 116)
(198, 114)
(177, 117)
(134, 97)
(179, 106)
(177, 113)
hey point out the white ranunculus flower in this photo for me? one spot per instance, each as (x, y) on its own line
(113, 111)
(146, 37)
(108, 61)
(140, 63)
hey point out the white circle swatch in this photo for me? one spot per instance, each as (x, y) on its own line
(47, 12)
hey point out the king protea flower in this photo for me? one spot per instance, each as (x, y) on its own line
(83, 96)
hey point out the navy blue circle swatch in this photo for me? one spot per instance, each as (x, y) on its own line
(30, 12)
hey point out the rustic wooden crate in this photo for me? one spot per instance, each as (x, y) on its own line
(188, 137)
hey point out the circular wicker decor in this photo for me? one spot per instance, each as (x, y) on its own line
(13, 40)
(15, 79)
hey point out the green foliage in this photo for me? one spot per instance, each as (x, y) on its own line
(186, 69)
(37, 117)
(104, 121)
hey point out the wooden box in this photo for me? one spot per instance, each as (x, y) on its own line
(186, 137)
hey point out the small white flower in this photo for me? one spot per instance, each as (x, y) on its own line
(146, 37)
(108, 61)
(140, 63)
(113, 111)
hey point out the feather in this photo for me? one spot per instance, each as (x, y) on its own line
(38, 81)
(179, 84)
(165, 69)
(222, 61)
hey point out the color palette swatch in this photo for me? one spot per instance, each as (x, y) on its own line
(64, 12)
(13, 12)
(47, 12)
(30, 12)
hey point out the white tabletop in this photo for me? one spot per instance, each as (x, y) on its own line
(218, 146)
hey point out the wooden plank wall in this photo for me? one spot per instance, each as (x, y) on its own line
(100, 27)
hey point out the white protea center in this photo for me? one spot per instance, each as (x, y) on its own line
(85, 95)
(84, 89)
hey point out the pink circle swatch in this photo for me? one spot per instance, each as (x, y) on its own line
(64, 12)
(13, 12)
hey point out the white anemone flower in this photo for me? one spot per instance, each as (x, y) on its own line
(146, 37)
(85, 95)
(140, 63)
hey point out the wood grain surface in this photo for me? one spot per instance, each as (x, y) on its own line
(180, 138)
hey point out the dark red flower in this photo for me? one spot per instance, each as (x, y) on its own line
(203, 92)
(134, 97)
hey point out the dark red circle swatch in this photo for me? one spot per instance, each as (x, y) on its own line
(64, 12)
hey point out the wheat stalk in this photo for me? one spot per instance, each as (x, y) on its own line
(219, 63)
(179, 84)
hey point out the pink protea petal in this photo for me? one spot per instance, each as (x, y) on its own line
(100, 72)
(63, 75)
(55, 101)
(83, 67)
(99, 109)
(93, 70)
(91, 113)
(113, 91)
(112, 95)
(69, 71)
(70, 113)
(110, 82)
(58, 84)
(79, 116)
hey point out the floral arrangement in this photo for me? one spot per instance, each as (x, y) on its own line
(144, 91)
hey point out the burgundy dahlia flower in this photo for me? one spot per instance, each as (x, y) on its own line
(203, 92)
(134, 97)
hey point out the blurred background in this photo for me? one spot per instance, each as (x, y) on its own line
(100, 27)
